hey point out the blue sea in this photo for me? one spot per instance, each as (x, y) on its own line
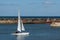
(37, 32)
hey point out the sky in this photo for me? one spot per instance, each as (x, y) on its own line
(30, 7)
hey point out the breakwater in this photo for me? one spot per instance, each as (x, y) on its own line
(28, 19)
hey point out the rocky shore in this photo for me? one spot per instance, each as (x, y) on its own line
(26, 21)
(29, 20)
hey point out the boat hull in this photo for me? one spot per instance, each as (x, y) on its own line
(55, 24)
(24, 33)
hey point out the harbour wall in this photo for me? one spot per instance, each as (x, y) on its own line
(28, 20)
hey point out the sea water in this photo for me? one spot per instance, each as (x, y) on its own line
(37, 32)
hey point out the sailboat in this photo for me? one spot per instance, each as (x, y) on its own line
(55, 23)
(20, 27)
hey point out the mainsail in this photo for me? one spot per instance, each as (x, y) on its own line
(19, 28)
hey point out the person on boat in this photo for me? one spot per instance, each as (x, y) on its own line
(17, 32)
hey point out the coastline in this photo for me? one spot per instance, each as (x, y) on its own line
(28, 20)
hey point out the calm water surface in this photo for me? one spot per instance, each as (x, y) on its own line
(37, 32)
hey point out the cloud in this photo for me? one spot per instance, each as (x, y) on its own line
(49, 3)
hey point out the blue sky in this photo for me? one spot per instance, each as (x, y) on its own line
(30, 7)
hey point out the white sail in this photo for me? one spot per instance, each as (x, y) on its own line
(23, 29)
(19, 22)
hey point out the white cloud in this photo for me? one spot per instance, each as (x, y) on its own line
(48, 3)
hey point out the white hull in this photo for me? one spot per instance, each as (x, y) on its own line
(23, 33)
(56, 24)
